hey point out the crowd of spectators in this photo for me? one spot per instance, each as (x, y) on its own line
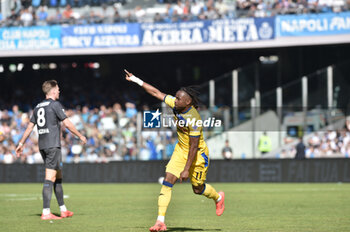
(83, 12)
(111, 133)
(329, 143)
(324, 144)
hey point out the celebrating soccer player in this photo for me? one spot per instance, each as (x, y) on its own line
(190, 159)
(47, 116)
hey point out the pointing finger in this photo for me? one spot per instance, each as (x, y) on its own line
(127, 72)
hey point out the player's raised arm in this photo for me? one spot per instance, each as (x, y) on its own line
(149, 88)
(19, 148)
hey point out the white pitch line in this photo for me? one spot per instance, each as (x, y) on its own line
(288, 191)
(24, 197)
(17, 195)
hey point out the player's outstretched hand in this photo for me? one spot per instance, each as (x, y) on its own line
(127, 75)
(83, 139)
(19, 150)
(132, 78)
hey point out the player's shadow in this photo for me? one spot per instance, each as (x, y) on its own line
(189, 229)
(39, 214)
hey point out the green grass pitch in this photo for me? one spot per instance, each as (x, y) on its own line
(133, 207)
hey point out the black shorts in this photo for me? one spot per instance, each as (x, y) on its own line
(52, 158)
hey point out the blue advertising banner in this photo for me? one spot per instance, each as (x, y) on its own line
(313, 24)
(136, 35)
(30, 38)
(216, 31)
(101, 36)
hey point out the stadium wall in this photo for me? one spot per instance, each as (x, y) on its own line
(242, 139)
(312, 170)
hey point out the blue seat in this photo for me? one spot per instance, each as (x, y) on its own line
(36, 3)
(53, 2)
(63, 2)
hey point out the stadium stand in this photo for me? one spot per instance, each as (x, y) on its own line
(109, 121)
(84, 12)
(111, 129)
(323, 144)
(111, 133)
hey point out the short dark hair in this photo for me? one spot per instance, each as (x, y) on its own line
(193, 92)
(48, 85)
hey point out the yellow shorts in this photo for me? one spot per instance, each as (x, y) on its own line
(198, 170)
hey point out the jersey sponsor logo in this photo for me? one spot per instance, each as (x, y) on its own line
(43, 131)
(43, 104)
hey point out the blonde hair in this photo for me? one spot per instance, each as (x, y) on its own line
(48, 85)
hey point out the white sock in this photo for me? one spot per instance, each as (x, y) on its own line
(46, 211)
(161, 218)
(219, 199)
(63, 208)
